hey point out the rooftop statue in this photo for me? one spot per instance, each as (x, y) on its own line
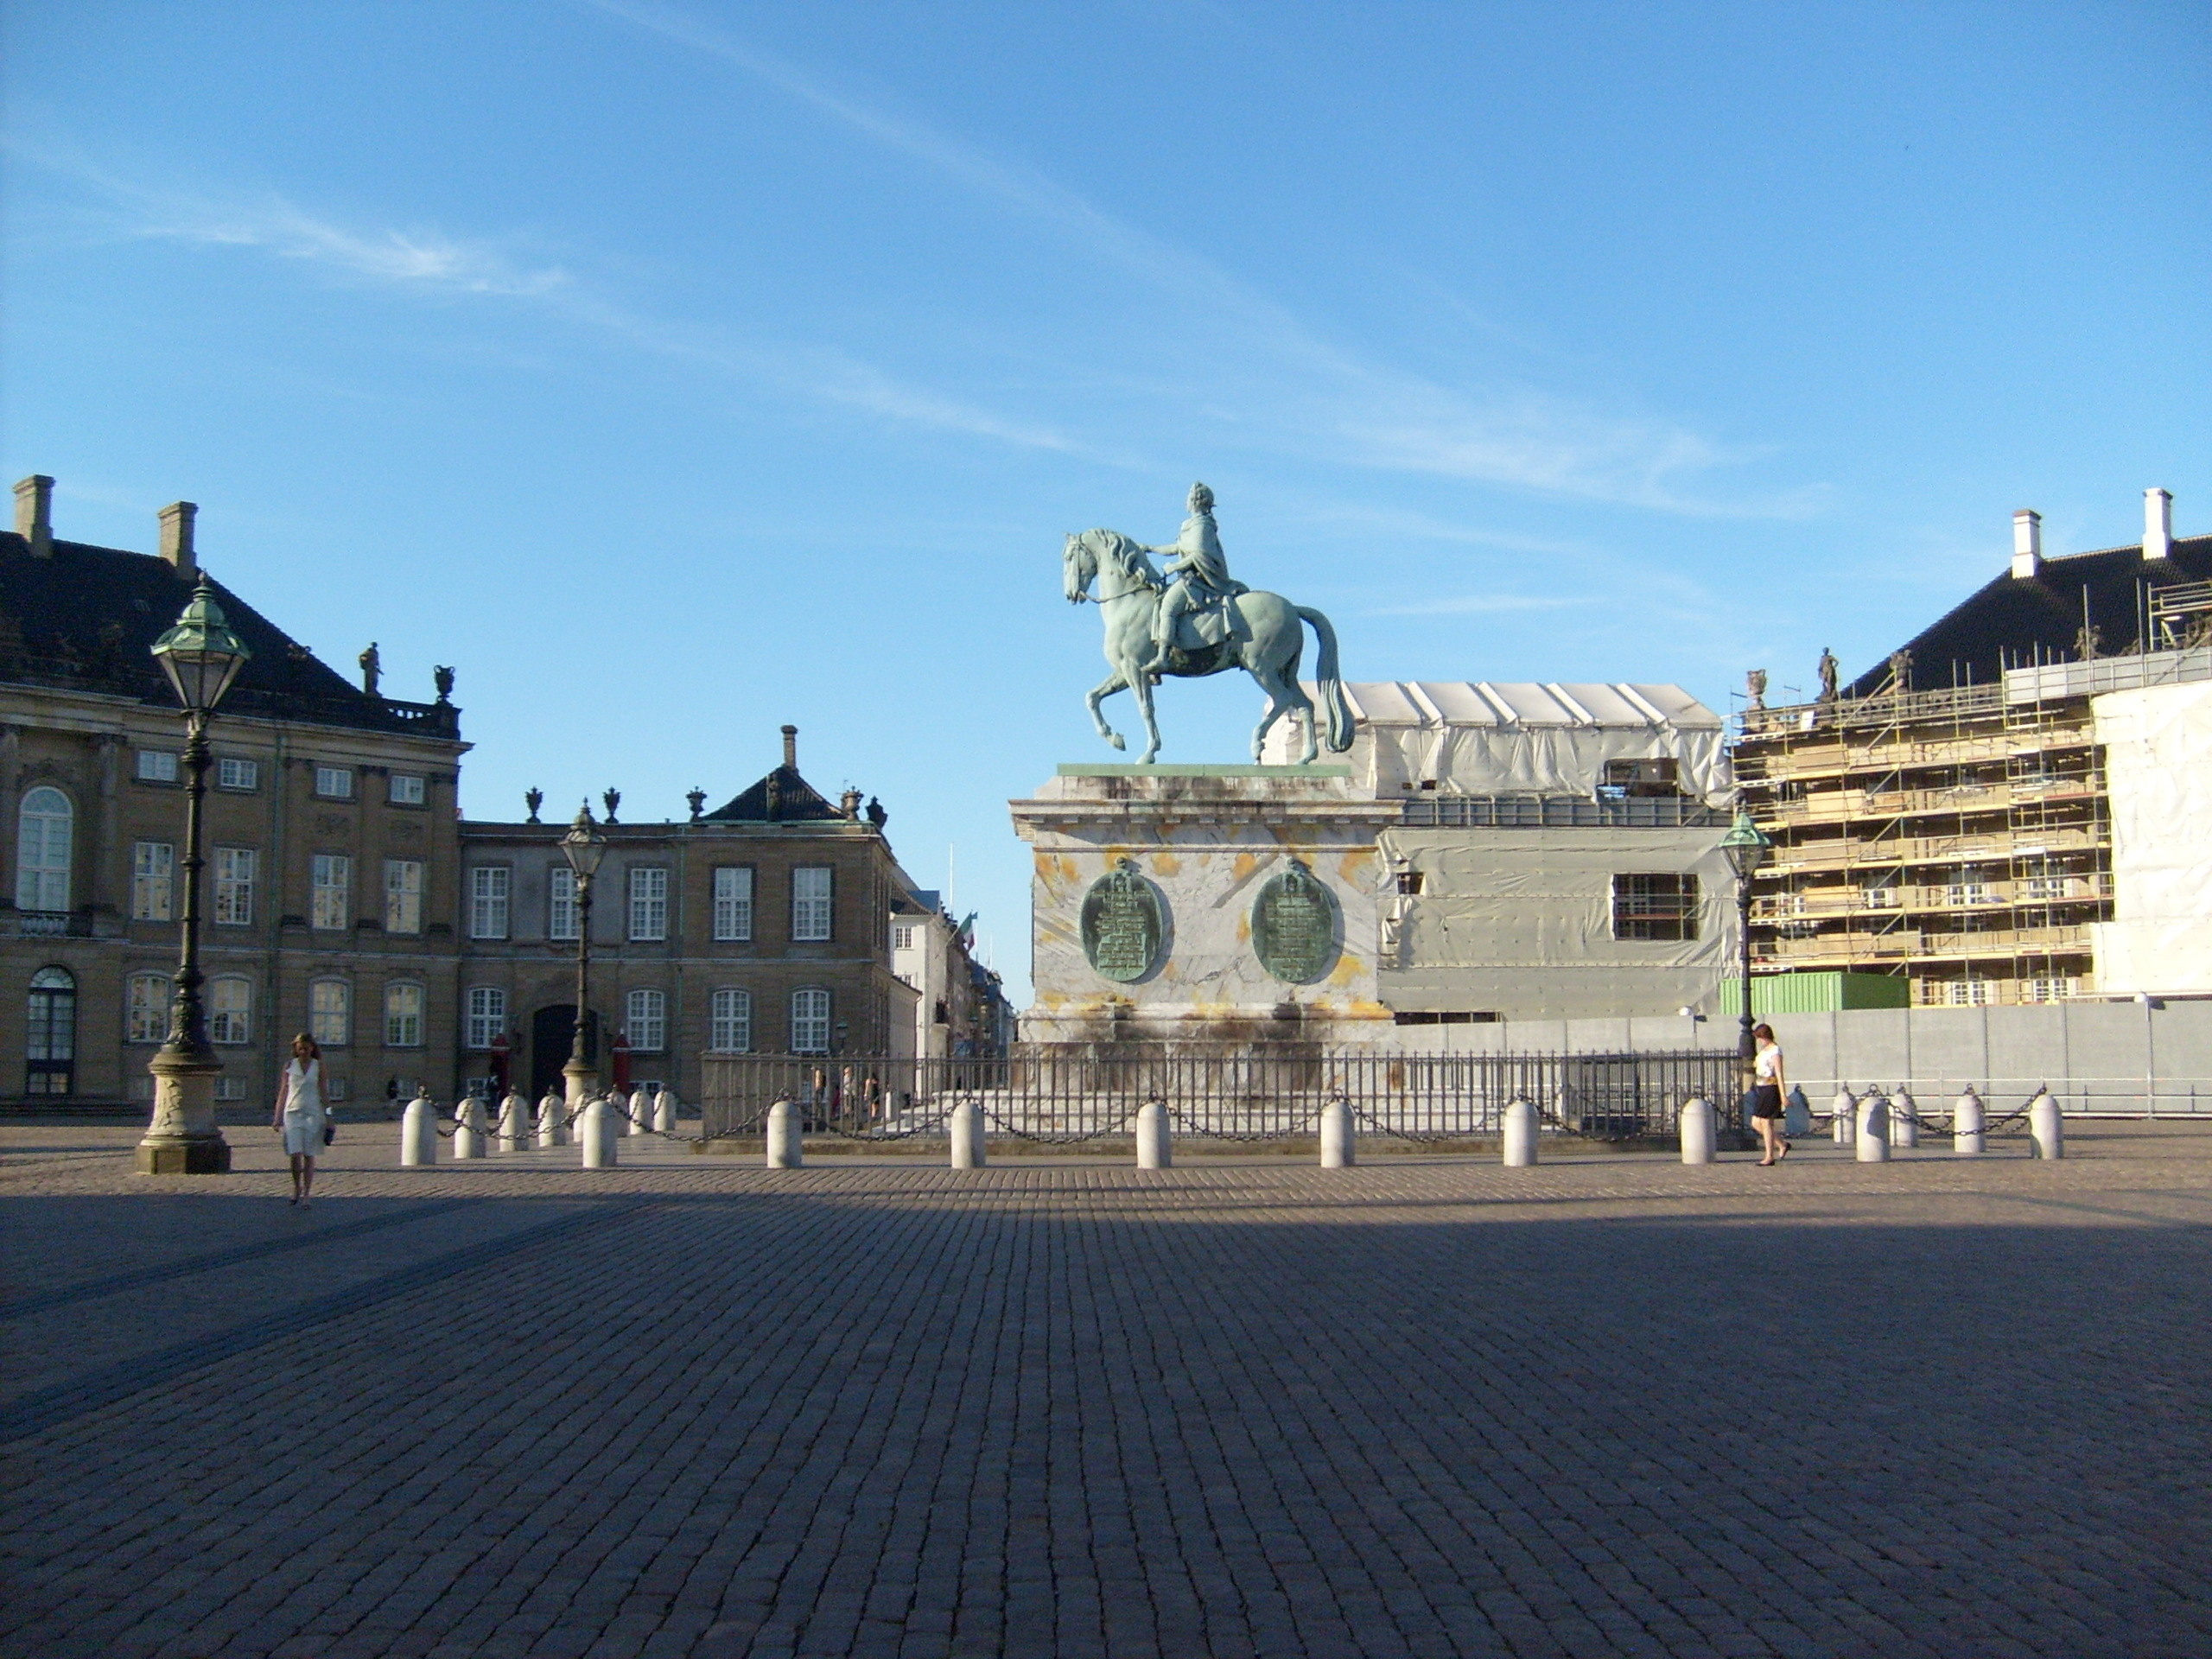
(1201, 624)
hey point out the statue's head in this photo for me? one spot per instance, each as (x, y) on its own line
(1201, 498)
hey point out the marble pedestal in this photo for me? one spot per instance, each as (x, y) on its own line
(1226, 907)
(183, 1138)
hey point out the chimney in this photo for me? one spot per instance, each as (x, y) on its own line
(176, 537)
(790, 747)
(2158, 524)
(34, 514)
(2027, 544)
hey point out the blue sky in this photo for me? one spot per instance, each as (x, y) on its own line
(679, 369)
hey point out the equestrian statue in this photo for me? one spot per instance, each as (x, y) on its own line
(1194, 621)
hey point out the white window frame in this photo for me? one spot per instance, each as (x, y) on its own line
(648, 891)
(491, 891)
(237, 774)
(564, 915)
(237, 872)
(330, 891)
(902, 936)
(232, 1025)
(153, 881)
(487, 1015)
(334, 782)
(158, 765)
(811, 1011)
(405, 1014)
(330, 1011)
(46, 838)
(146, 1007)
(734, 887)
(645, 1020)
(407, 789)
(814, 913)
(729, 1021)
(403, 895)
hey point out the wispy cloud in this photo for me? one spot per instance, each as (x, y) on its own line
(1300, 392)
(1478, 605)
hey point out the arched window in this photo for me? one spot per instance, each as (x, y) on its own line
(730, 1023)
(330, 1012)
(229, 1010)
(42, 850)
(645, 1021)
(810, 1021)
(50, 1043)
(403, 1016)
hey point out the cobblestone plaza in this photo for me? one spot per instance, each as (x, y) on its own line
(1058, 1407)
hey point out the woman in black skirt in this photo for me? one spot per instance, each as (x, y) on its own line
(1768, 1083)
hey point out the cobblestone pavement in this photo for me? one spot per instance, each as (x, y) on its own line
(1609, 1406)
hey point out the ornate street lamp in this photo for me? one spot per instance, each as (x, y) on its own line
(583, 847)
(1747, 848)
(201, 656)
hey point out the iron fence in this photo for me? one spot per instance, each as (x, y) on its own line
(1051, 1095)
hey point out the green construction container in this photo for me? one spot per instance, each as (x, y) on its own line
(1815, 993)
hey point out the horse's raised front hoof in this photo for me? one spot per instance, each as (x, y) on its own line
(1115, 738)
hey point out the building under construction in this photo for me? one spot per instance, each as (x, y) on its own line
(2015, 806)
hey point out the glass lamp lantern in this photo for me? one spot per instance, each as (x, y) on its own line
(200, 653)
(1746, 847)
(583, 846)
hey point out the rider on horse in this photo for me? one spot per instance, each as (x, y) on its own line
(1200, 570)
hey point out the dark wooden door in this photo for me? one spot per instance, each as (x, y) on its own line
(552, 1034)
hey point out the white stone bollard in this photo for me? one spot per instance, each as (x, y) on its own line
(964, 1131)
(1339, 1135)
(1844, 1110)
(785, 1150)
(1874, 1129)
(638, 1111)
(1156, 1142)
(514, 1122)
(595, 1135)
(468, 1136)
(552, 1121)
(2046, 1126)
(418, 1133)
(1518, 1144)
(1796, 1115)
(1967, 1120)
(1696, 1128)
(1905, 1118)
(664, 1112)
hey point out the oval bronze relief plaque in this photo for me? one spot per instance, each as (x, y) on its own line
(1122, 923)
(1294, 926)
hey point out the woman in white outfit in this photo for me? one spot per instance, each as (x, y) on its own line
(300, 1117)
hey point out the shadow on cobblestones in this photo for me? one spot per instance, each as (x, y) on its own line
(1067, 1416)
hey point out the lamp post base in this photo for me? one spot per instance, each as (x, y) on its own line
(183, 1138)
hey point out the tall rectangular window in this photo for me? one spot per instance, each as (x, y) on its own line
(334, 783)
(330, 1012)
(1659, 907)
(153, 881)
(734, 904)
(811, 908)
(902, 938)
(810, 1021)
(403, 895)
(488, 901)
(235, 870)
(229, 1010)
(487, 1015)
(645, 1021)
(405, 789)
(232, 773)
(649, 903)
(560, 908)
(403, 1016)
(730, 1023)
(145, 1009)
(331, 894)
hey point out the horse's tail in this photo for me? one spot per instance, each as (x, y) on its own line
(1332, 687)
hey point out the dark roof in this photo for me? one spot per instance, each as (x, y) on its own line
(795, 801)
(85, 619)
(2014, 620)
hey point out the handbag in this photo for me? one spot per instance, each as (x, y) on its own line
(329, 1130)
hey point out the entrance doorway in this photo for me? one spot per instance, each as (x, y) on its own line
(552, 1034)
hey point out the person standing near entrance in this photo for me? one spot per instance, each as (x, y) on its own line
(1768, 1084)
(301, 1117)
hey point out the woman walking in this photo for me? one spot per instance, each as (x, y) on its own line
(300, 1116)
(1768, 1084)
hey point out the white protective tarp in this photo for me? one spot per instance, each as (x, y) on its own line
(2157, 744)
(1465, 737)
